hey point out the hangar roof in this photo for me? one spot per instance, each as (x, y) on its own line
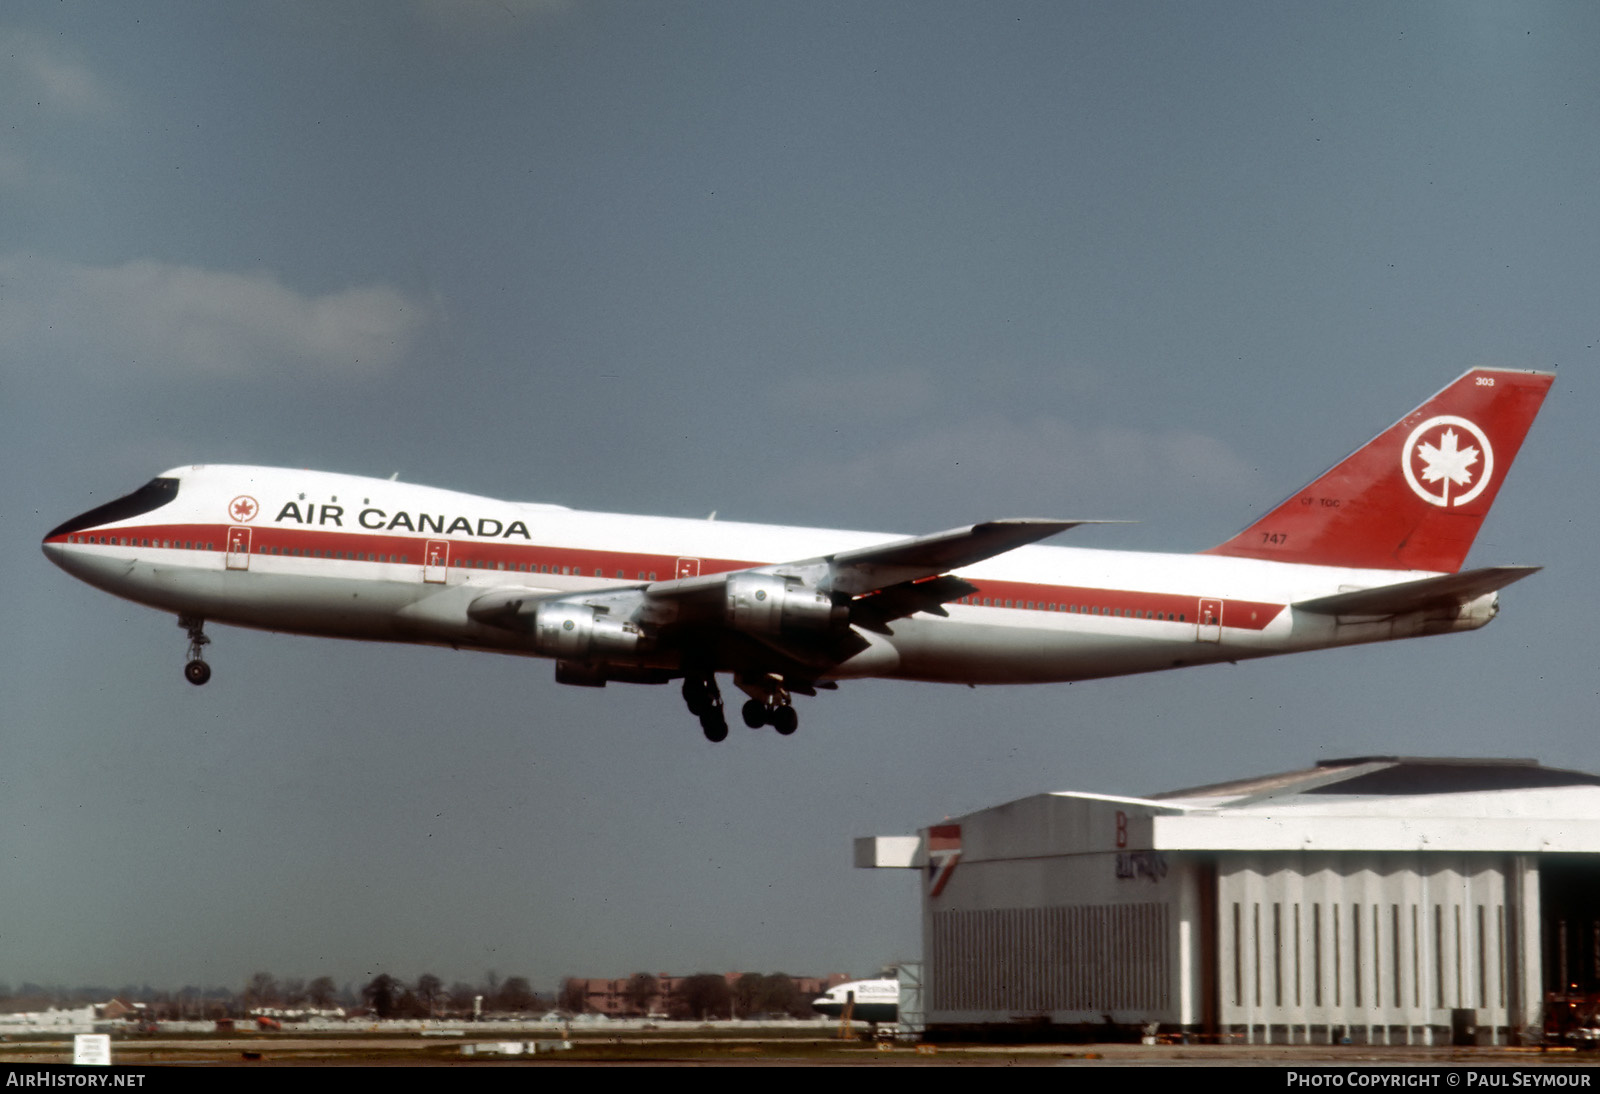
(1390, 775)
(1364, 803)
(1398, 803)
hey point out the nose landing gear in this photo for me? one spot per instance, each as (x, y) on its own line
(196, 671)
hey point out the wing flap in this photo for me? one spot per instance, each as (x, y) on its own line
(1415, 596)
(869, 569)
(875, 610)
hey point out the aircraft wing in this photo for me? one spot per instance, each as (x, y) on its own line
(865, 587)
(1420, 595)
(871, 569)
(833, 595)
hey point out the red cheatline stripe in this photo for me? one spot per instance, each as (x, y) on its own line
(514, 556)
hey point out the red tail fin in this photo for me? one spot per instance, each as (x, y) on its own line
(1414, 496)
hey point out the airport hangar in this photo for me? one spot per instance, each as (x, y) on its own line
(1384, 899)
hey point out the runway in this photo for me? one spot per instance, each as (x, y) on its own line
(690, 1049)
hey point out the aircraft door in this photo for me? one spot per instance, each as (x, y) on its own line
(436, 561)
(688, 567)
(1210, 621)
(238, 548)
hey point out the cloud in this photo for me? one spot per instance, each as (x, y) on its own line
(1043, 466)
(44, 75)
(159, 319)
(860, 395)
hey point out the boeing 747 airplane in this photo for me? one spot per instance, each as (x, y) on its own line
(1371, 550)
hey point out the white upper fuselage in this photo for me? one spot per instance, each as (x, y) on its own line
(339, 555)
(862, 1000)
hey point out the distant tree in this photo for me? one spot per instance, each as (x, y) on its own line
(408, 1004)
(642, 988)
(322, 991)
(294, 993)
(382, 993)
(703, 995)
(750, 994)
(574, 999)
(783, 996)
(462, 995)
(261, 991)
(430, 990)
(516, 994)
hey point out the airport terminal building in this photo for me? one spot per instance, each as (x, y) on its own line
(1385, 899)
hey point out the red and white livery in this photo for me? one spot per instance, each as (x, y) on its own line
(1371, 550)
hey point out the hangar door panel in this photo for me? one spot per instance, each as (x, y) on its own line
(1569, 908)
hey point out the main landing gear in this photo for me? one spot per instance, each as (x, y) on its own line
(195, 670)
(704, 700)
(780, 715)
(768, 705)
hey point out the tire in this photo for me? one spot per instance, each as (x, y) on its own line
(785, 720)
(197, 672)
(714, 725)
(754, 713)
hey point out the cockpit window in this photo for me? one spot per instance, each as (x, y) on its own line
(152, 495)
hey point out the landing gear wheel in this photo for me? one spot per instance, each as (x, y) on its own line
(754, 713)
(705, 702)
(697, 695)
(714, 725)
(196, 671)
(784, 720)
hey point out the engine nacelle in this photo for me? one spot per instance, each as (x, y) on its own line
(578, 632)
(772, 604)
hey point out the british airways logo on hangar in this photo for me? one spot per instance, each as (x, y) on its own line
(376, 519)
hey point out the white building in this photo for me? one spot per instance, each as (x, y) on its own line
(1380, 899)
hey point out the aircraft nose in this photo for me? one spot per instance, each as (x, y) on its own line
(57, 545)
(64, 556)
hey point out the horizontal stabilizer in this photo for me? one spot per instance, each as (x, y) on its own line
(1416, 596)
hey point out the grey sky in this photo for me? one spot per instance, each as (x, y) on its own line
(892, 266)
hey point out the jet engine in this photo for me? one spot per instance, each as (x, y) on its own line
(770, 604)
(578, 631)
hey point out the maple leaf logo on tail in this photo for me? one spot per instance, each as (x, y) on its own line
(1446, 462)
